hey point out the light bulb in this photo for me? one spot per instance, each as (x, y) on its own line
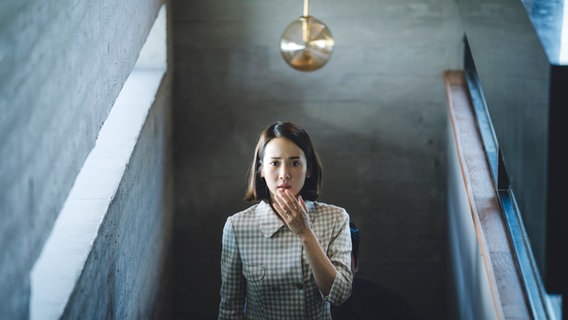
(306, 44)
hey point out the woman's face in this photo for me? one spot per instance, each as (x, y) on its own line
(284, 166)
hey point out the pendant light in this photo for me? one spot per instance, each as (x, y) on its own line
(307, 43)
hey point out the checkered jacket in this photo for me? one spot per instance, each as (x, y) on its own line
(265, 271)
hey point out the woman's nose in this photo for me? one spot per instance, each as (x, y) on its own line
(284, 175)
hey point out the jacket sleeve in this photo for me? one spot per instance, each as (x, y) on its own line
(232, 280)
(339, 252)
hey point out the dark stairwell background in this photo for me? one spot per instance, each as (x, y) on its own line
(376, 112)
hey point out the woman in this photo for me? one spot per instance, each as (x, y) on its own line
(286, 257)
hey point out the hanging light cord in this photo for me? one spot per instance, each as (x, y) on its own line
(306, 8)
(306, 22)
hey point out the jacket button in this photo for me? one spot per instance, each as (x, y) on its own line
(274, 288)
(300, 285)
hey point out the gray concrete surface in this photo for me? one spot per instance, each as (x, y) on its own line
(62, 65)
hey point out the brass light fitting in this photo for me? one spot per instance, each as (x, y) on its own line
(307, 43)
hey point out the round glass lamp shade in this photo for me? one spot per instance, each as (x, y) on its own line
(307, 44)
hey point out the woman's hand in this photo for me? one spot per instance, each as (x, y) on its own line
(295, 214)
(292, 211)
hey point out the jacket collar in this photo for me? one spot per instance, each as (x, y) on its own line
(268, 222)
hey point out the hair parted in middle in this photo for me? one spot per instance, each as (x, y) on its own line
(257, 189)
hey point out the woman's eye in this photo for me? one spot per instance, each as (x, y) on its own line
(294, 163)
(274, 163)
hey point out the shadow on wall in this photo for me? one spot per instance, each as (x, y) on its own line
(369, 299)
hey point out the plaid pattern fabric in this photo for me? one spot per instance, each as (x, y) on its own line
(265, 271)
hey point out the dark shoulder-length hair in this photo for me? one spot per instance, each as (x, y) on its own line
(257, 189)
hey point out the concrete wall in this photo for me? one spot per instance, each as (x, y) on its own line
(63, 64)
(128, 272)
(376, 112)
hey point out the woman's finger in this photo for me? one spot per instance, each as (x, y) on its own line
(279, 210)
(302, 203)
(284, 202)
(291, 200)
